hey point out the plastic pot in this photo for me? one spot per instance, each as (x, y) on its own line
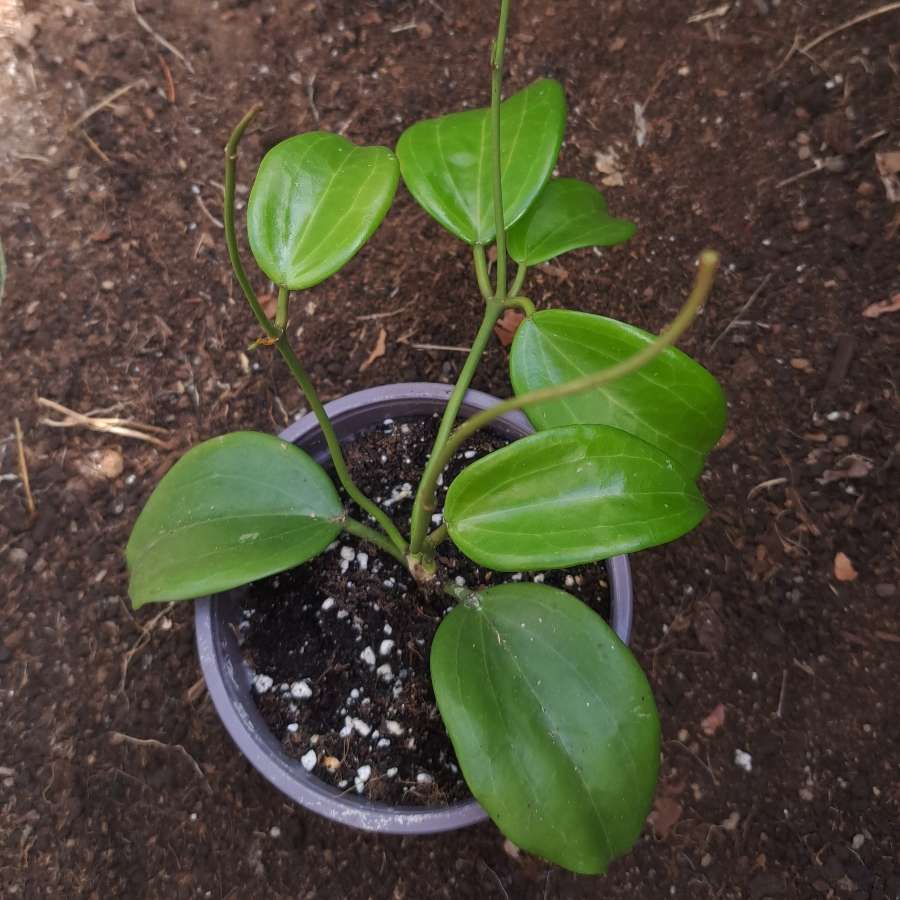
(228, 678)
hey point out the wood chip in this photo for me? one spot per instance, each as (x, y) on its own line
(843, 568)
(883, 306)
(377, 351)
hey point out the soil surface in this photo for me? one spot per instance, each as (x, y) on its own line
(771, 634)
(340, 647)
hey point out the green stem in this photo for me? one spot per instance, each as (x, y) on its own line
(425, 503)
(230, 233)
(281, 312)
(522, 303)
(496, 86)
(280, 339)
(481, 272)
(709, 261)
(426, 494)
(519, 280)
(438, 536)
(351, 526)
(334, 445)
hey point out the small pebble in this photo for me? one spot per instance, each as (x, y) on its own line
(424, 778)
(262, 683)
(385, 672)
(327, 603)
(362, 727)
(743, 760)
(362, 560)
(393, 727)
(858, 841)
(385, 647)
(368, 657)
(391, 772)
(275, 831)
(308, 760)
(18, 556)
(300, 690)
(293, 728)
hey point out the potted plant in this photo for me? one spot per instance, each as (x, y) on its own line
(551, 720)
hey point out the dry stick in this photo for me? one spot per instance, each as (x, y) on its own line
(23, 472)
(117, 737)
(140, 643)
(95, 147)
(106, 101)
(742, 310)
(445, 347)
(2, 271)
(159, 38)
(818, 167)
(167, 74)
(856, 20)
(217, 222)
(122, 427)
(784, 678)
(311, 95)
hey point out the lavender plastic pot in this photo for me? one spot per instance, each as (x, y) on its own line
(228, 678)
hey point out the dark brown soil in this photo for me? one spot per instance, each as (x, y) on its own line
(119, 297)
(336, 622)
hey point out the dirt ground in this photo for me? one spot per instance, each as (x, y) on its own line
(119, 298)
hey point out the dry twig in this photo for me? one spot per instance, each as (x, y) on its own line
(122, 427)
(217, 222)
(741, 311)
(856, 20)
(167, 74)
(445, 347)
(23, 472)
(108, 100)
(118, 737)
(311, 95)
(95, 147)
(159, 38)
(140, 643)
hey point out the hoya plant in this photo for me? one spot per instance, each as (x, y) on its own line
(550, 716)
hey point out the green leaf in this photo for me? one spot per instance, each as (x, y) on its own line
(552, 720)
(568, 496)
(316, 200)
(672, 402)
(446, 162)
(231, 510)
(567, 214)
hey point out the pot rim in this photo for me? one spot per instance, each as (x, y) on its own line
(228, 678)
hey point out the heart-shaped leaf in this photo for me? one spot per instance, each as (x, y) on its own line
(446, 162)
(568, 496)
(566, 215)
(552, 721)
(316, 200)
(231, 510)
(672, 402)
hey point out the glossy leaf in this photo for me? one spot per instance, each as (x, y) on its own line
(672, 402)
(316, 200)
(552, 721)
(446, 162)
(568, 496)
(233, 509)
(567, 214)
